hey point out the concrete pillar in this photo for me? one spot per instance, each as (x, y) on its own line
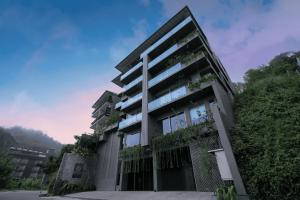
(223, 134)
(155, 181)
(145, 140)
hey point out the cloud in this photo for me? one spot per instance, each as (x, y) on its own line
(245, 34)
(70, 116)
(124, 45)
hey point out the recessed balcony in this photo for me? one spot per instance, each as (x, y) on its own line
(167, 98)
(118, 105)
(131, 101)
(191, 60)
(130, 121)
(175, 51)
(168, 35)
(180, 96)
(132, 72)
(132, 84)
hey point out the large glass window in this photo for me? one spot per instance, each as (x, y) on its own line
(166, 126)
(174, 123)
(198, 114)
(132, 139)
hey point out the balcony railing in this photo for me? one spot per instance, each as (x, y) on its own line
(131, 70)
(163, 100)
(132, 100)
(133, 83)
(168, 35)
(164, 75)
(130, 120)
(118, 105)
(163, 56)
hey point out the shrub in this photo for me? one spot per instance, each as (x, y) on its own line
(266, 138)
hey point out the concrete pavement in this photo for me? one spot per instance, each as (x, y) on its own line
(127, 195)
(20, 195)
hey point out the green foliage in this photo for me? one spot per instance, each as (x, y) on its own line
(197, 85)
(182, 137)
(266, 138)
(224, 193)
(132, 153)
(113, 118)
(85, 144)
(6, 167)
(53, 162)
(24, 184)
(68, 188)
(52, 179)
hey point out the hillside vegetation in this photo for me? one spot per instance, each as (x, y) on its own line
(28, 138)
(266, 138)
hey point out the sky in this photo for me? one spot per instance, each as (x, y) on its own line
(58, 56)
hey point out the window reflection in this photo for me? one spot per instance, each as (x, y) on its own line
(174, 123)
(198, 114)
(132, 139)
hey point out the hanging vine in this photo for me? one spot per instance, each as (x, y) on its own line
(204, 79)
(136, 159)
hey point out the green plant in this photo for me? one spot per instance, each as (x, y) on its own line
(204, 79)
(6, 167)
(68, 188)
(25, 184)
(85, 144)
(224, 193)
(182, 137)
(266, 137)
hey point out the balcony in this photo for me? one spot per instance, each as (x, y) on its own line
(164, 75)
(177, 49)
(133, 83)
(118, 105)
(130, 121)
(163, 56)
(191, 60)
(129, 72)
(167, 98)
(168, 35)
(131, 101)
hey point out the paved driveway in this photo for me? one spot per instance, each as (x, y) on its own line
(20, 195)
(106, 195)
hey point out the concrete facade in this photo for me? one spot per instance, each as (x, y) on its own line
(67, 171)
(155, 79)
(159, 97)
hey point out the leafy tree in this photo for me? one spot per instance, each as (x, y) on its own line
(6, 167)
(86, 144)
(266, 138)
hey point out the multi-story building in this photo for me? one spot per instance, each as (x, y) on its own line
(174, 112)
(27, 162)
(171, 82)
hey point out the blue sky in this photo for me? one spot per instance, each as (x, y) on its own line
(57, 57)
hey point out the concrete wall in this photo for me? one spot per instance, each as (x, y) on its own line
(67, 165)
(107, 163)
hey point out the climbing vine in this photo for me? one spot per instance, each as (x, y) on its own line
(204, 79)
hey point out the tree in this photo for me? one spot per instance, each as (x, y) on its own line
(266, 138)
(6, 167)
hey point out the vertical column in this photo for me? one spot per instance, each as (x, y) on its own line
(144, 132)
(238, 183)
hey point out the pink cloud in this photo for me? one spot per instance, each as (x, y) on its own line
(71, 116)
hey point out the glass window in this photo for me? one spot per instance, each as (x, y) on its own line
(174, 123)
(132, 139)
(178, 121)
(198, 114)
(166, 126)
